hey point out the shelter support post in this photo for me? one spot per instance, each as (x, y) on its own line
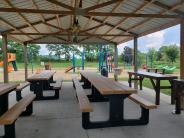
(5, 58)
(182, 57)
(115, 61)
(135, 61)
(25, 62)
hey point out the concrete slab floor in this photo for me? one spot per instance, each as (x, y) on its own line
(62, 119)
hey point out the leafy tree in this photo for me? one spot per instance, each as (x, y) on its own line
(14, 47)
(172, 53)
(62, 49)
(151, 56)
(127, 55)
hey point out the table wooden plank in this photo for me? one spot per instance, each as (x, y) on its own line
(107, 86)
(152, 75)
(45, 75)
(7, 87)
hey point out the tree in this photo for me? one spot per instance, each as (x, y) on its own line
(127, 55)
(172, 53)
(14, 47)
(62, 49)
(151, 56)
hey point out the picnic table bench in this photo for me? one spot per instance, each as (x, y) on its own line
(43, 81)
(8, 117)
(19, 90)
(155, 79)
(115, 92)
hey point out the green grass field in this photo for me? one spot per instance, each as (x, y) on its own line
(147, 83)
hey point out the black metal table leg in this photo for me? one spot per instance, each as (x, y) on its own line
(157, 88)
(87, 84)
(130, 80)
(3, 103)
(117, 107)
(96, 96)
(38, 89)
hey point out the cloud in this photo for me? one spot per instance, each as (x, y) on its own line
(155, 40)
(43, 50)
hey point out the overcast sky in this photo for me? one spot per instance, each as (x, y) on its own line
(155, 40)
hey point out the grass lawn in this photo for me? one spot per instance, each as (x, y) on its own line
(147, 83)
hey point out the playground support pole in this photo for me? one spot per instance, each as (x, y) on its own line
(115, 61)
(73, 61)
(83, 60)
(182, 56)
(5, 59)
(25, 61)
(115, 56)
(135, 61)
(106, 57)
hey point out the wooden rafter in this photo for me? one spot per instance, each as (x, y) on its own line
(101, 5)
(41, 15)
(111, 25)
(61, 4)
(89, 20)
(105, 19)
(34, 23)
(21, 16)
(13, 27)
(166, 7)
(36, 11)
(139, 25)
(64, 34)
(124, 19)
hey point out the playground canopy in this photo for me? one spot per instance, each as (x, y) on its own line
(88, 21)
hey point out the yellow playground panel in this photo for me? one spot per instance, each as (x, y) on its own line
(11, 58)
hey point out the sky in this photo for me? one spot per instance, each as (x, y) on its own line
(155, 40)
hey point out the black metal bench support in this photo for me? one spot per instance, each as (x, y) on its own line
(116, 116)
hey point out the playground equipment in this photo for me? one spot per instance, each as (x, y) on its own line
(76, 63)
(105, 56)
(12, 59)
(168, 70)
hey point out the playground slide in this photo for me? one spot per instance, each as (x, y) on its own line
(68, 69)
(9, 67)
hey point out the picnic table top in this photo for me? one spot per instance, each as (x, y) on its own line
(107, 86)
(152, 75)
(7, 87)
(44, 75)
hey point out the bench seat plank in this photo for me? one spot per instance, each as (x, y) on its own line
(14, 112)
(142, 102)
(22, 86)
(84, 103)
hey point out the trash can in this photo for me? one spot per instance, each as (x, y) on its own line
(47, 67)
(104, 72)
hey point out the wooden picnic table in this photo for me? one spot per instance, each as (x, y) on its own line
(5, 89)
(155, 79)
(40, 82)
(105, 89)
(156, 70)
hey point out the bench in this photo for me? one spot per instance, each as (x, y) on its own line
(84, 103)
(19, 90)
(9, 117)
(145, 107)
(57, 86)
